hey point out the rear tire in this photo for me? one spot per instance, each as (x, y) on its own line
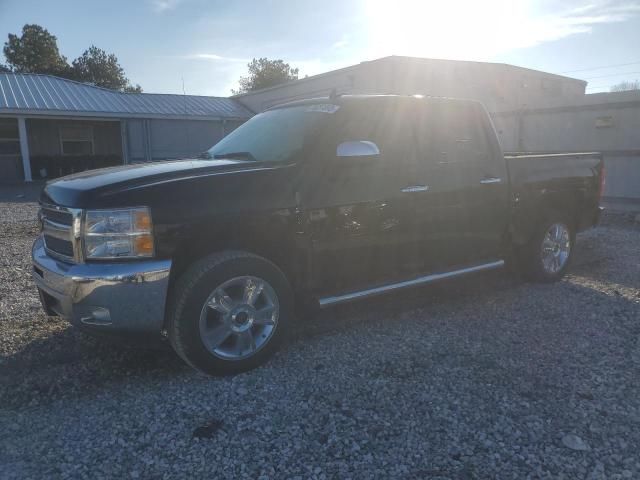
(229, 312)
(548, 254)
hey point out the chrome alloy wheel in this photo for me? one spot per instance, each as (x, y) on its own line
(239, 317)
(556, 247)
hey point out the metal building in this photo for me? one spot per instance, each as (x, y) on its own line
(51, 126)
(603, 122)
(499, 86)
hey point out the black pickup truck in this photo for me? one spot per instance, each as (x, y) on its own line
(316, 202)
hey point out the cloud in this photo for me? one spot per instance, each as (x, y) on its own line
(343, 42)
(487, 29)
(161, 6)
(213, 57)
(583, 19)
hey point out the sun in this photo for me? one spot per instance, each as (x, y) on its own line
(457, 29)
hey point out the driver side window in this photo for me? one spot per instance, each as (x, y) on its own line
(386, 124)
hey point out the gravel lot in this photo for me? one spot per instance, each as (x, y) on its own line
(487, 377)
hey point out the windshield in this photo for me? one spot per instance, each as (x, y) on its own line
(276, 135)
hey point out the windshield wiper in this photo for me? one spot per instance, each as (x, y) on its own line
(236, 155)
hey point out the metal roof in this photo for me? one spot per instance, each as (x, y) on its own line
(35, 94)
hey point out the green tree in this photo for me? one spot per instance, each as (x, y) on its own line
(132, 88)
(35, 51)
(102, 69)
(265, 73)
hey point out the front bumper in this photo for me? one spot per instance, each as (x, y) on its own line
(112, 297)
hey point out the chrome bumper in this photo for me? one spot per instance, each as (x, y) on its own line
(119, 297)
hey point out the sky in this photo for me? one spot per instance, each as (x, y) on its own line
(204, 46)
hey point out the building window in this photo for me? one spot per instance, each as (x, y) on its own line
(76, 140)
(9, 137)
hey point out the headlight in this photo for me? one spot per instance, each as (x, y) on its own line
(118, 233)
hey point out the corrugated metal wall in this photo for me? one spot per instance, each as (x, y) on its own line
(611, 127)
(157, 139)
(44, 136)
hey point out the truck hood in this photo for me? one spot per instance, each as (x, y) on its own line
(79, 189)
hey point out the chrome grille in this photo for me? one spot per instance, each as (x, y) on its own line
(58, 231)
(62, 217)
(61, 247)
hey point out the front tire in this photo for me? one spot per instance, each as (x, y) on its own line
(548, 255)
(229, 312)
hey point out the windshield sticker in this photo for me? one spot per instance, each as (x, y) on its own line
(323, 108)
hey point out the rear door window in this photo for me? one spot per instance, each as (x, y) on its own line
(453, 135)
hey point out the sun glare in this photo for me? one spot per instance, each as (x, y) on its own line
(451, 29)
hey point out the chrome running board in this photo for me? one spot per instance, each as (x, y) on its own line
(370, 292)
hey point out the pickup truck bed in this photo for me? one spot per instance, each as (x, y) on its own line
(571, 180)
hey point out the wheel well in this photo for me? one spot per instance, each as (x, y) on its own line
(188, 255)
(563, 203)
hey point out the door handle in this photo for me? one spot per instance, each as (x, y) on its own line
(487, 180)
(415, 188)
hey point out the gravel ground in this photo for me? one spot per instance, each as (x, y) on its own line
(486, 377)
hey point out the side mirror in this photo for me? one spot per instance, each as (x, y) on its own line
(357, 148)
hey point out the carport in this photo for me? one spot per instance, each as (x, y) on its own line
(51, 126)
(42, 147)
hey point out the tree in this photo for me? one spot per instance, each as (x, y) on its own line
(625, 86)
(265, 73)
(35, 51)
(102, 69)
(132, 88)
